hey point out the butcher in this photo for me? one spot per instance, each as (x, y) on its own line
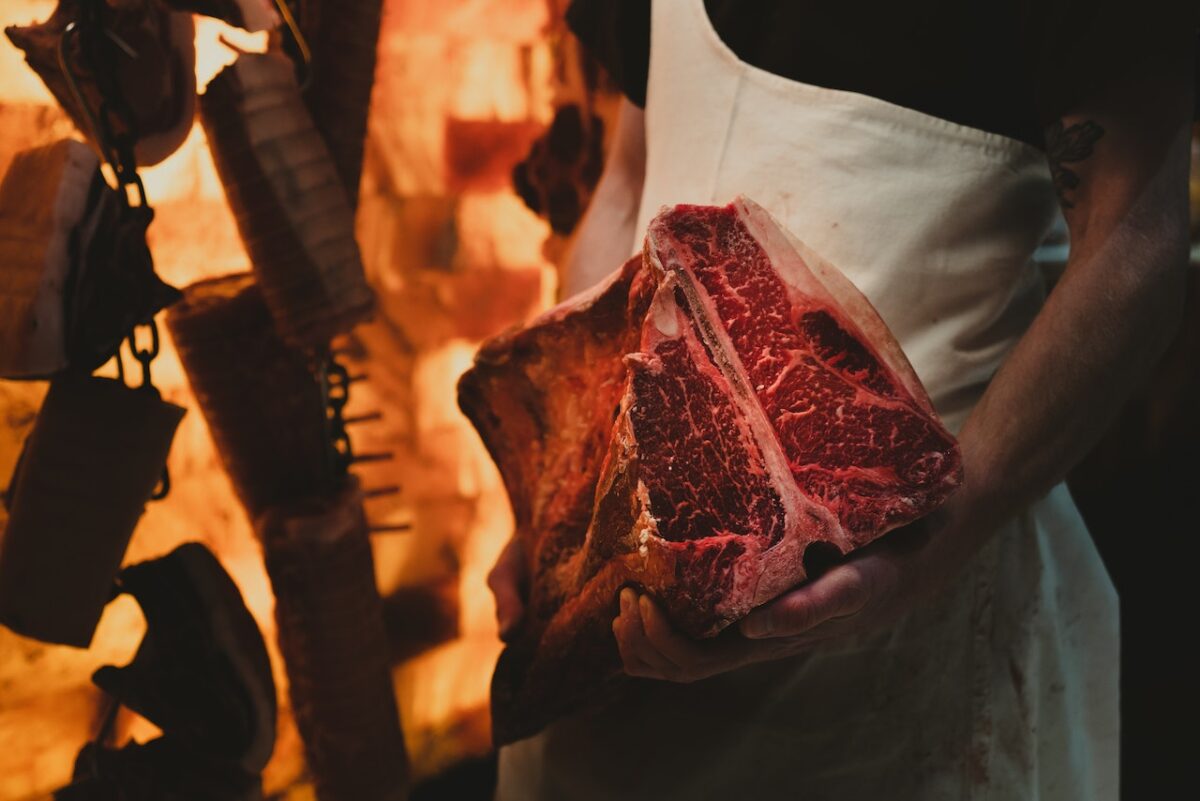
(924, 148)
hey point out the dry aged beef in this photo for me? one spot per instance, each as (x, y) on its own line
(763, 409)
(75, 273)
(543, 399)
(260, 398)
(85, 473)
(51, 204)
(288, 202)
(343, 38)
(149, 53)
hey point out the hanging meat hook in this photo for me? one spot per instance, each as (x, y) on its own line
(118, 156)
(118, 152)
(289, 19)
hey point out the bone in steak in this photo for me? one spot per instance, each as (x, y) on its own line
(764, 409)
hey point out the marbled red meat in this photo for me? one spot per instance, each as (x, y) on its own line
(692, 428)
(855, 440)
(698, 486)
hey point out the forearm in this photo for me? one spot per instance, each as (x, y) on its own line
(1101, 331)
(605, 238)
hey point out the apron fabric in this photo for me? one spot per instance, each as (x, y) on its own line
(1003, 689)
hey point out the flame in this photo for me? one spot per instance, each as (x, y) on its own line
(20, 84)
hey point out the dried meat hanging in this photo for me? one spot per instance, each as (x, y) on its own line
(256, 349)
(261, 399)
(201, 674)
(96, 453)
(290, 206)
(559, 173)
(124, 72)
(98, 448)
(289, 203)
(333, 639)
(341, 38)
(78, 277)
(57, 218)
(271, 421)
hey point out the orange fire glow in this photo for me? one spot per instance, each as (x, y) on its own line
(450, 267)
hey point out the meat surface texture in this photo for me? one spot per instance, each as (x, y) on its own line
(692, 428)
(48, 210)
(151, 56)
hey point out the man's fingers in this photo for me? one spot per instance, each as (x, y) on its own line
(632, 661)
(694, 659)
(840, 592)
(505, 582)
(640, 657)
(681, 651)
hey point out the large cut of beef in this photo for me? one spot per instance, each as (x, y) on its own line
(693, 427)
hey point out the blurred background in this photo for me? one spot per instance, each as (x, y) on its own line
(486, 134)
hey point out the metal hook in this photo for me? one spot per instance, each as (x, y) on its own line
(106, 148)
(390, 528)
(125, 173)
(301, 43)
(145, 355)
(121, 43)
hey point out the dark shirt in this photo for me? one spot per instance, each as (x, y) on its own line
(1006, 67)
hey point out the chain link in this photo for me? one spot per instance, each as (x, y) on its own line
(333, 377)
(114, 127)
(144, 356)
(335, 392)
(114, 130)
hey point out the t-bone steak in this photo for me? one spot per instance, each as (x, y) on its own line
(693, 427)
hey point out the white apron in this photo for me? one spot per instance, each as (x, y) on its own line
(1006, 688)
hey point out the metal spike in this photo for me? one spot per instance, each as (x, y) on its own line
(379, 492)
(381, 456)
(121, 43)
(390, 528)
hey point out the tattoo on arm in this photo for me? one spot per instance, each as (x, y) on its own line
(1067, 146)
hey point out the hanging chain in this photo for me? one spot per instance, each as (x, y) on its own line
(145, 356)
(114, 130)
(335, 392)
(332, 376)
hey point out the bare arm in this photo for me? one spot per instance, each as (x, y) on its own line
(1120, 165)
(605, 237)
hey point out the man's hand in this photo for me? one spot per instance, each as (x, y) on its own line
(508, 581)
(873, 587)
